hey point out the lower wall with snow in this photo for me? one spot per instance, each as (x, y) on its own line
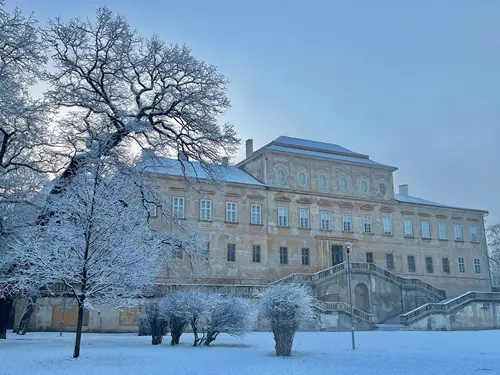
(473, 316)
(54, 314)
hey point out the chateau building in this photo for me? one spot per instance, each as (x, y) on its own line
(290, 207)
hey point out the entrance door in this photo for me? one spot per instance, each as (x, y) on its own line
(337, 255)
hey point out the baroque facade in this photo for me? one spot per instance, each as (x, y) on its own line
(291, 206)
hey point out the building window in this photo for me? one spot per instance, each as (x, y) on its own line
(347, 223)
(408, 227)
(231, 252)
(363, 185)
(256, 254)
(231, 212)
(411, 263)
(282, 216)
(280, 176)
(305, 256)
(428, 265)
(443, 230)
(256, 217)
(458, 232)
(369, 257)
(177, 252)
(473, 234)
(205, 210)
(302, 178)
(178, 207)
(477, 266)
(343, 184)
(382, 189)
(322, 181)
(283, 255)
(426, 229)
(387, 225)
(152, 209)
(446, 265)
(461, 265)
(325, 220)
(367, 224)
(390, 262)
(304, 218)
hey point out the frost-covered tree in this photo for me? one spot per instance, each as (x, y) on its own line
(153, 322)
(286, 306)
(228, 314)
(493, 239)
(121, 88)
(97, 242)
(24, 135)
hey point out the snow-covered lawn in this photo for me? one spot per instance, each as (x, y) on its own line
(378, 352)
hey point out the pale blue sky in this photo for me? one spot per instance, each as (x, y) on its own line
(415, 84)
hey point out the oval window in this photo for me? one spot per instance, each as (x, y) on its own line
(322, 181)
(280, 176)
(302, 178)
(364, 186)
(382, 188)
(343, 183)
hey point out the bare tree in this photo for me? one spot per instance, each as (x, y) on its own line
(154, 323)
(286, 306)
(99, 243)
(493, 239)
(173, 308)
(24, 134)
(228, 314)
(122, 88)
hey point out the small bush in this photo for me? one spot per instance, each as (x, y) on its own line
(155, 323)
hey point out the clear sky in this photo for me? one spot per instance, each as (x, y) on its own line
(415, 84)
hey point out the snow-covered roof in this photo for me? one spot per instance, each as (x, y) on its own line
(322, 150)
(173, 167)
(415, 200)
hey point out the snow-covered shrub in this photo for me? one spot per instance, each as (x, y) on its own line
(286, 306)
(154, 321)
(174, 310)
(228, 314)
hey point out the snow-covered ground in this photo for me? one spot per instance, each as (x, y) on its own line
(378, 352)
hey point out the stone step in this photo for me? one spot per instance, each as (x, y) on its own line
(390, 327)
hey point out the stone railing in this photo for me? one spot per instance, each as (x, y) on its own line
(448, 306)
(236, 289)
(356, 266)
(342, 306)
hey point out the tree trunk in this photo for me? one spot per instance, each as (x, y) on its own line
(5, 310)
(156, 339)
(211, 336)
(283, 338)
(195, 332)
(25, 318)
(79, 324)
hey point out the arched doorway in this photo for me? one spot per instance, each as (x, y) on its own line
(361, 297)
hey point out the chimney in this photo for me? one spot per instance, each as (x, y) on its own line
(147, 153)
(225, 161)
(403, 190)
(182, 156)
(249, 144)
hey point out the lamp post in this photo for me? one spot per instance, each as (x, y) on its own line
(348, 246)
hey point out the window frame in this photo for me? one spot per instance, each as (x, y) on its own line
(228, 210)
(406, 234)
(412, 269)
(425, 227)
(319, 181)
(176, 207)
(367, 224)
(474, 237)
(328, 220)
(477, 266)
(304, 220)
(286, 222)
(461, 265)
(389, 261)
(305, 252)
(231, 250)
(206, 209)
(460, 227)
(443, 235)
(369, 257)
(256, 254)
(283, 255)
(344, 222)
(284, 176)
(389, 220)
(254, 215)
(446, 265)
(429, 264)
